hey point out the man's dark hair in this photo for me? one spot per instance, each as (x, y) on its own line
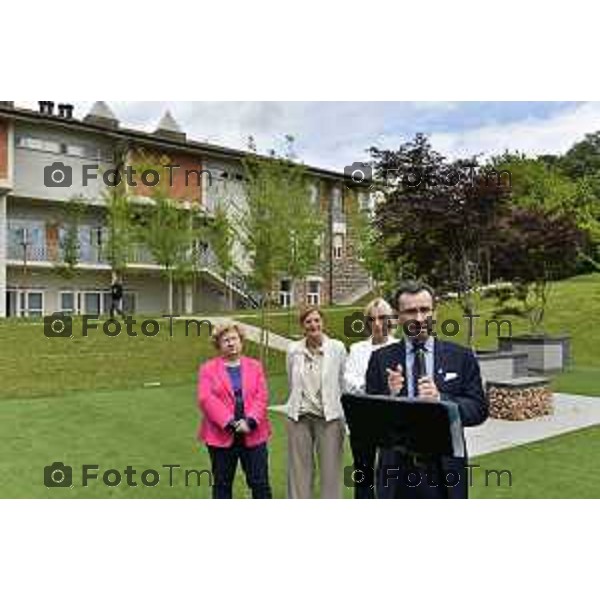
(413, 287)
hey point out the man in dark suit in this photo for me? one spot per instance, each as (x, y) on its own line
(452, 374)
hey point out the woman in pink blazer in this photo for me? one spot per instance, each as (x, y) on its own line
(233, 398)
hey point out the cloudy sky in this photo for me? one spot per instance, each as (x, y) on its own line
(333, 134)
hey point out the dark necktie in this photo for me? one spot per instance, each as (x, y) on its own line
(419, 365)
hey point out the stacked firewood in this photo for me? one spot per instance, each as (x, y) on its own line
(518, 404)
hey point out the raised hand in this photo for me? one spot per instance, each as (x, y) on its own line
(395, 379)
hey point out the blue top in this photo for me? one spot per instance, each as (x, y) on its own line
(235, 376)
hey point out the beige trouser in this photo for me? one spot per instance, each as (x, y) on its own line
(309, 436)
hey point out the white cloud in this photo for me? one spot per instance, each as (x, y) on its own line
(552, 135)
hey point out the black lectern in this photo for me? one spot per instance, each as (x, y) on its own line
(422, 431)
(418, 426)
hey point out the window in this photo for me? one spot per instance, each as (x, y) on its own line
(366, 201)
(26, 240)
(285, 293)
(17, 235)
(314, 194)
(33, 143)
(313, 296)
(31, 303)
(80, 151)
(35, 304)
(338, 246)
(67, 303)
(91, 303)
(336, 200)
(11, 303)
(320, 244)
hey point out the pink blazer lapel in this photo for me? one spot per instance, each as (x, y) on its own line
(223, 378)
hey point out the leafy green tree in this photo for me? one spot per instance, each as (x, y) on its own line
(220, 234)
(583, 158)
(277, 226)
(69, 255)
(567, 186)
(440, 214)
(534, 247)
(120, 229)
(164, 228)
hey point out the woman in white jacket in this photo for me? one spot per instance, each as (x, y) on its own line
(316, 429)
(378, 316)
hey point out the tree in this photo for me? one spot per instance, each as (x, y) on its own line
(567, 186)
(220, 235)
(583, 158)
(164, 227)
(119, 222)
(277, 226)
(534, 247)
(439, 216)
(304, 225)
(69, 244)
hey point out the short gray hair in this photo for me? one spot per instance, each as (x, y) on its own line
(378, 303)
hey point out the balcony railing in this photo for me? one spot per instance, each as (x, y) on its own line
(27, 252)
(95, 255)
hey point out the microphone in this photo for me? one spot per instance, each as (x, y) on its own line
(420, 363)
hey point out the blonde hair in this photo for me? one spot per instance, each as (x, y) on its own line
(222, 329)
(378, 303)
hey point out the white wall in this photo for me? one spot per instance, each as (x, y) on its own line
(30, 164)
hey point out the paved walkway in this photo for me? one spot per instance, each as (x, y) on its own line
(570, 413)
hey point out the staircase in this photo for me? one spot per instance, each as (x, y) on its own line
(235, 281)
(356, 295)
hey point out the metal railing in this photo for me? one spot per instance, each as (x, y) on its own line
(139, 254)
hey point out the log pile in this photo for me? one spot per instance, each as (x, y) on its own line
(515, 402)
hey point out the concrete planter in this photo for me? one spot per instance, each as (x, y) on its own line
(545, 354)
(500, 365)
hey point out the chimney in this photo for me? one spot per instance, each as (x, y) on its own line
(46, 107)
(65, 111)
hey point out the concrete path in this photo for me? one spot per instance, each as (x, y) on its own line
(570, 413)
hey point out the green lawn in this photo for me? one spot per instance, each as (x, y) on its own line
(34, 365)
(153, 427)
(565, 466)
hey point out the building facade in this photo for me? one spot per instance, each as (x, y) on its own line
(48, 157)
